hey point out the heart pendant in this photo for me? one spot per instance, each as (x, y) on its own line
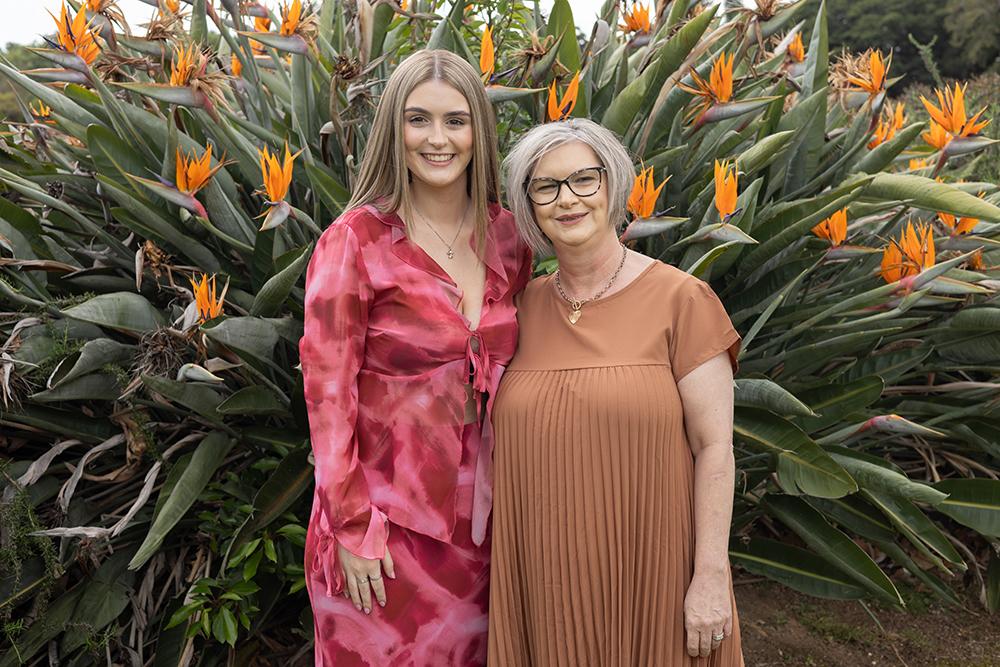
(574, 316)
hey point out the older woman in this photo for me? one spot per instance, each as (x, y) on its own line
(613, 462)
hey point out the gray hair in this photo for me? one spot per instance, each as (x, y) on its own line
(523, 158)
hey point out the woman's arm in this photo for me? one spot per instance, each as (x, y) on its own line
(338, 294)
(707, 396)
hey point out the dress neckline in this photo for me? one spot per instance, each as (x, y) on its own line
(610, 297)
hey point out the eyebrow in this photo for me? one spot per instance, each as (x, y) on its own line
(425, 111)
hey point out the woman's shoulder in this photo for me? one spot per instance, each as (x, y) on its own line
(365, 222)
(672, 282)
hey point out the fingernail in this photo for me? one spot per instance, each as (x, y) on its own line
(381, 604)
(358, 607)
(367, 610)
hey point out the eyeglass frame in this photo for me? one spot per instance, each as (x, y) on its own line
(564, 181)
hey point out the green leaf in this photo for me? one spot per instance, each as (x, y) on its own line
(561, 23)
(91, 357)
(915, 525)
(275, 291)
(92, 387)
(796, 568)
(198, 397)
(875, 475)
(207, 458)
(972, 502)
(638, 96)
(244, 335)
(333, 195)
(60, 104)
(764, 152)
(926, 193)
(125, 311)
(832, 402)
(883, 155)
(224, 625)
(252, 400)
(767, 395)
(836, 547)
(292, 477)
(802, 465)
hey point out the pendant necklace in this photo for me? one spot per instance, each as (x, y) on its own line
(577, 304)
(451, 252)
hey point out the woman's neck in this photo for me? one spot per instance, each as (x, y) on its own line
(443, 207)
(585, 269)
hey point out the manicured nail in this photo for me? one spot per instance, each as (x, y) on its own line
(358, 607)
(381, 604)
(367, 610)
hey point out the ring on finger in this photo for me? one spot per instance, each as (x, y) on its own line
(718, 637)
(371, 578)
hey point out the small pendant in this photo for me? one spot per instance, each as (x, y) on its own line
(451, 254)
(574, 316)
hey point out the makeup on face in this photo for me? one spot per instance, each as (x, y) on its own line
(437, 134)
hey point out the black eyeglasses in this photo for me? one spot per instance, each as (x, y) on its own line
(583, 183)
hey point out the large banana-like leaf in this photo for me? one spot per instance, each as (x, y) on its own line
(833, 545)
(931, 195)
(125, 311)
(206, 459)
(972, 502)
(767, 395)
(803, 467)
(274, 292)
(796, 568)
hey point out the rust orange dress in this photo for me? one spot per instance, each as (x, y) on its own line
(593, 506)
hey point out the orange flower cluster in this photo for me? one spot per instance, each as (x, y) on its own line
(486, 54)
(642, 199)
(726, 177)
(719, 87)
(186, 61)
(873, 80)
(208, 304)
(260, 24)
(948, 119)
(908, 256)
(959, 225)
(636, 19)
(193, 173)
(834, 228)
(887, 127)
(796, 50)
(277, 174)
(76, 36)
(290, 18)
(561, 109)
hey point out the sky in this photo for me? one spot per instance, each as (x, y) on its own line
(33, 20)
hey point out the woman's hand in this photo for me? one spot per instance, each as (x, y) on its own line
(708, 613)
(364, 575)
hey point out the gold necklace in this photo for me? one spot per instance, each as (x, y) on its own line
(577, 304)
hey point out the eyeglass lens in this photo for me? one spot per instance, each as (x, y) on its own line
(583, 183)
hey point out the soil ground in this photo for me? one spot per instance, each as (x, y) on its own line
(783, 628)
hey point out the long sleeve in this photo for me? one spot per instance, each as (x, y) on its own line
(332, 348)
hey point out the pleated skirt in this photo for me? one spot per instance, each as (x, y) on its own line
(593, 539)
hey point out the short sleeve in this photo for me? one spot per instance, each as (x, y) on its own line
(700, 329)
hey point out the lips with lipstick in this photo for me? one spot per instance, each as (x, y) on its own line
(438, 158)
(568, 219)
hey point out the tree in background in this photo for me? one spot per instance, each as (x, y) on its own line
(969, 44)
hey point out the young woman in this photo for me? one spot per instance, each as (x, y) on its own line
(409, 323)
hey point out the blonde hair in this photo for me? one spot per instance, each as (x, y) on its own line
(539, 140)
(383, 174)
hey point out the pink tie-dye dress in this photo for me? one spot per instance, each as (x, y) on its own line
(386, 357)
